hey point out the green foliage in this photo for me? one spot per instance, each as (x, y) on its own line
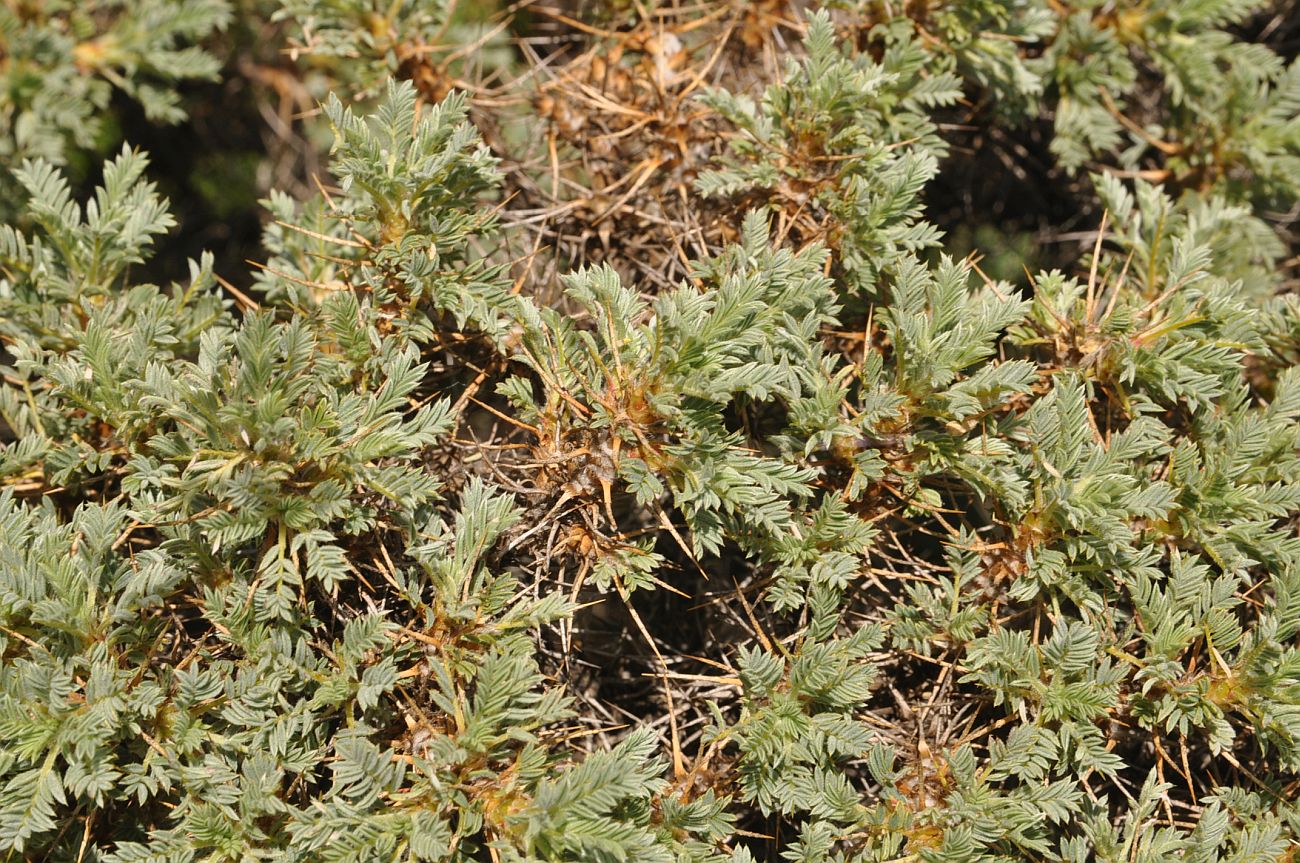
(846, 143)
(827, 548)
(77, 331)
(229, 735)
(63, 62)
(1228, 116)
(645, 392)
(402, 229)
(360, 44)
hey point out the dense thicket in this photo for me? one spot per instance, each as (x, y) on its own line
(649, 431)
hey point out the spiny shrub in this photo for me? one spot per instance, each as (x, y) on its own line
(415, 542)
(62, 63)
